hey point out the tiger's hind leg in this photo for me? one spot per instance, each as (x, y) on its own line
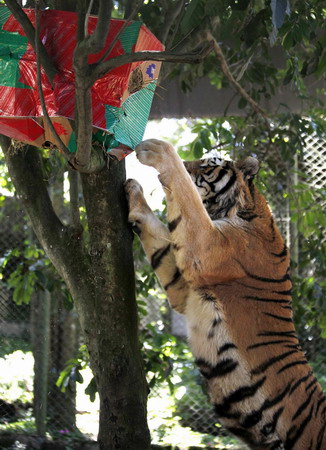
(156, 241)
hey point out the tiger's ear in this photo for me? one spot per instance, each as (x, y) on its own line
(249, 167)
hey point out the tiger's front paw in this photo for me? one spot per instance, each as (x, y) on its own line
(138, 206)
(157, 154)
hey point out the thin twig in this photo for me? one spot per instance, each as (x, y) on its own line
(170, 19)
(221, 144)
(180, 9)
(88, 13)
(225, 69)
(183, 39)
(61, 146)
(100, 70)
(225, 113)
(94, 43)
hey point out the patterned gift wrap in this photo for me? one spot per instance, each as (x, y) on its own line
(121, 100)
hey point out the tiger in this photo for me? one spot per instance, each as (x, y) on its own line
(224, 264)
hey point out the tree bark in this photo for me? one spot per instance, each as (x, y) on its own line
(100, 278)
(115, 348)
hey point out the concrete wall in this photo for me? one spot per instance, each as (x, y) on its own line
(207, 101)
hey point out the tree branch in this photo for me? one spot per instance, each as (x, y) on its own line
(131, 17)
(61, 146)
(26, 170)
(88, 13)
(29, 31)
(98, 38)
(86, 160)
(225, 69)
(83, 160)
(100, 70)
(84, 129)
(63, 244)
(129, 8)
(94, 43)
(170, 19)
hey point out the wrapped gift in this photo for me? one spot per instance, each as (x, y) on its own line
(121, 100)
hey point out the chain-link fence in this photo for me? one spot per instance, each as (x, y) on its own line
(38, 338)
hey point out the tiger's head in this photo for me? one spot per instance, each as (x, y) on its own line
(226, 187)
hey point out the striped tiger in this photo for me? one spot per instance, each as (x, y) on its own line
(224, 264)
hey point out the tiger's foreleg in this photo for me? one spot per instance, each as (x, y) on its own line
(156, 241)
(204, 253)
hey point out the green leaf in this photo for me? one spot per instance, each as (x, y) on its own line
(75, 375)
(91, 390)
(238, 5)
(288, 41)
(204, 137)
(214, 8)
(323, 326)
(321, 69)
(193, 17)
(18, 295)
(198, 150)
(41, 278)
(288, 76)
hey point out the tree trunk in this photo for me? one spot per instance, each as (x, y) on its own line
(113, 342)
(100, 278)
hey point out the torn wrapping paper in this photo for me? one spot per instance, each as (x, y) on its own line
(121, 100)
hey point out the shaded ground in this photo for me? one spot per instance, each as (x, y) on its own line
(24, 442)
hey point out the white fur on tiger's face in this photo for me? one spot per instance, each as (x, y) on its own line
(224, 264)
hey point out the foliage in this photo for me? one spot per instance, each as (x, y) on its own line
(33, 270)
(72, 373)
(70, 440)
(251, 34)
(29, 272)
(26, 426)
(9, 345)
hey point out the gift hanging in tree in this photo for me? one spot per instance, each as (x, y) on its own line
(121, 100)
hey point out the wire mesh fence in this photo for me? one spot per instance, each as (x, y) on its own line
(37, 339)
(36, 343)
